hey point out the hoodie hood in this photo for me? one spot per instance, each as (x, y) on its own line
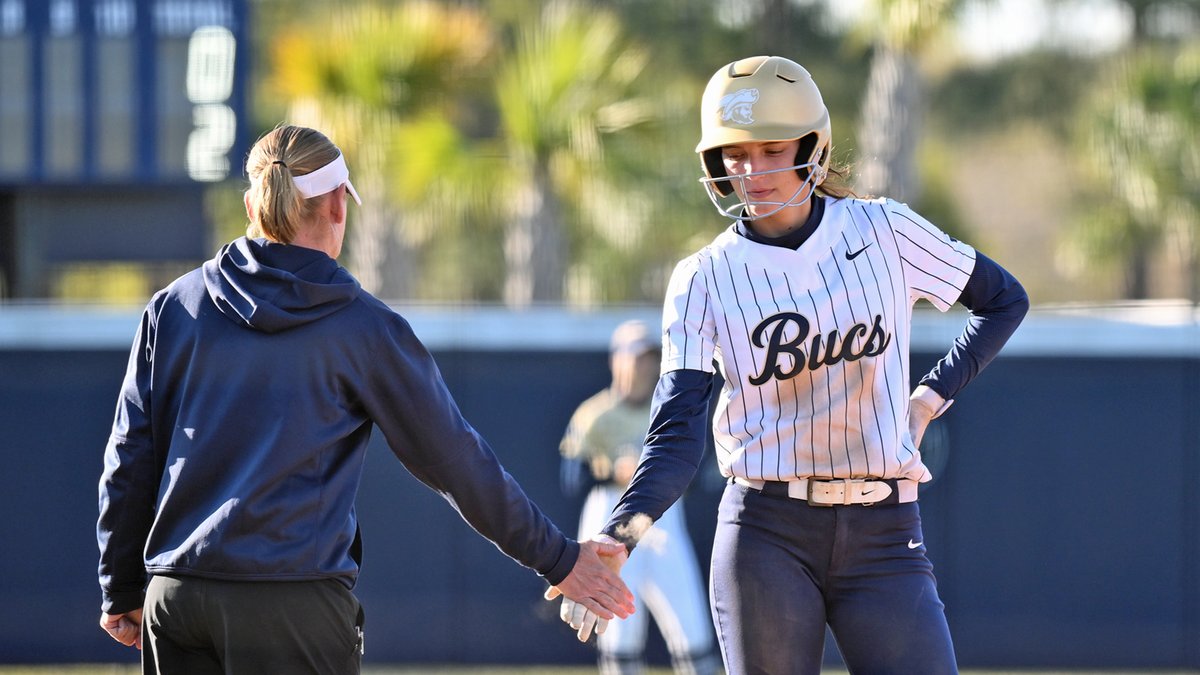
(272, 287)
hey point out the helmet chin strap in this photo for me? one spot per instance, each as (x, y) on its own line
(740, 210)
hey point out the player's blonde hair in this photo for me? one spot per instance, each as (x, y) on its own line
(837, 176)
(837, 183)
(277, 207)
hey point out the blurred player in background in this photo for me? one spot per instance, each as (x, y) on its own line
(227, 497)
(601, 447)
(804, 304)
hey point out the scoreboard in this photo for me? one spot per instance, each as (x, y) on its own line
(122, 92)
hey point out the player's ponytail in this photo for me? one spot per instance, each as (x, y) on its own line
(275, 206)
(837, 183)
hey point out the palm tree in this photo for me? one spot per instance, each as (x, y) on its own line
(890, 125)
(569, 82)
(375, 77)
(1142, 142)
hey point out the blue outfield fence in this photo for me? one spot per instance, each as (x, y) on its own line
(1063, 523)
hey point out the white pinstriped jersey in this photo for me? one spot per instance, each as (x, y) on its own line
(813, 343)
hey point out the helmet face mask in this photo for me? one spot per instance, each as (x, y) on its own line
(730, 200)
(761, 99)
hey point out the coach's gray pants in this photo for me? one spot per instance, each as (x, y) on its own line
(782, 570)
(197, 626)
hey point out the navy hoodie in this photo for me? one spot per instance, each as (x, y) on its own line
(242, 425)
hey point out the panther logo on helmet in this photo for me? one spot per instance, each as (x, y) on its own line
(738, 107)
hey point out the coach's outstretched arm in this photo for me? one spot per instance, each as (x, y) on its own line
(427, 432)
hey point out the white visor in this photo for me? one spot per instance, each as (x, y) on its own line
(326, 179)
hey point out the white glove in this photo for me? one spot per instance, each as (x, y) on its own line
(581, 619)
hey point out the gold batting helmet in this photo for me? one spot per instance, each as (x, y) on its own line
(762, 98)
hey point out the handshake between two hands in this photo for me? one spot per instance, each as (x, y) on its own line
(593, 592)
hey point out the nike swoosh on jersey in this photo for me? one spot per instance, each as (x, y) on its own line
(852, 256)
(914, 544)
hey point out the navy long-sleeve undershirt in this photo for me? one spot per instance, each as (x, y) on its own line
(997, 302)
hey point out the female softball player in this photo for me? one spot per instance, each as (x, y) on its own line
(231, 473)
(804, 304)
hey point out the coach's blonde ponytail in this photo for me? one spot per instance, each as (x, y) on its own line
(277, 209)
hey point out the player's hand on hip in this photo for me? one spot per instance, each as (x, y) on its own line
(593, 592)
(124, 628)
(924, 406)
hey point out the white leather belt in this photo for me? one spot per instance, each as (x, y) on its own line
(839, 491)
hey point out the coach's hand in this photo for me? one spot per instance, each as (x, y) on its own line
(593, 592)
(124, 628)
(924, 406)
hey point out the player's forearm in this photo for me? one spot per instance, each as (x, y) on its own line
(998, 304)
(673, 450)
(659, 482)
